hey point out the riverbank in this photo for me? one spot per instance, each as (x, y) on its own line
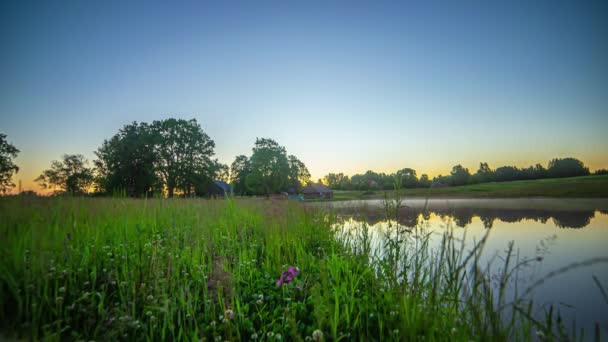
(574, 187)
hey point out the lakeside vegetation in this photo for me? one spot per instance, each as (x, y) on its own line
(573, 187)
(186, 269)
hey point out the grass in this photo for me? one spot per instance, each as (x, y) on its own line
(185, 269)
(574, 187)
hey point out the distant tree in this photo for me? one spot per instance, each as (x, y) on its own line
(71, 175)
(7, 168)
(534, 172)
(298, 173)
(460, 175)
(183, 153)
(336, 181)
(566, 167)
(424, 181)
(484, 174)
(507, 173)
(126, 162)
(221, 171)
(269, 167)
(408, 177)
(601, 172)
(239, 170)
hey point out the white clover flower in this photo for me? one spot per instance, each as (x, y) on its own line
(317, 335)
(229, 314)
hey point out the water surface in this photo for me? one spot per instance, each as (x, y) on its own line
(554, 232)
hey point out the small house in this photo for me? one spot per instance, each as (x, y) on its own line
(318, 190)
(222, 188)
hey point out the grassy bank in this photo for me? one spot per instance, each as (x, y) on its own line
(125, 269)
(575, 187)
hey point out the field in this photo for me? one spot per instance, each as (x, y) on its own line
(187, 269)
(574, 187)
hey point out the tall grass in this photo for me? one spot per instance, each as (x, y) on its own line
(127, 269)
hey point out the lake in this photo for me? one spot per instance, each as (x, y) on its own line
(551, 233)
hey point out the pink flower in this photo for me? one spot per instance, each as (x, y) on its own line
(288, 276)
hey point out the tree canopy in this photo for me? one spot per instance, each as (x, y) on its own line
(126, 162)
(183, 153)
(269, 167)
(71, 175)
(7, 167)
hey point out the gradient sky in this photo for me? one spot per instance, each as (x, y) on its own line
(345, 87)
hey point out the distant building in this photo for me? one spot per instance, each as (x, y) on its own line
(312, 191)
(221, 188)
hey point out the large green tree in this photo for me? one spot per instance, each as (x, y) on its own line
(269, 167)
(566, 167)
(409, 179)
(337, 181)
(72, 175)
(7, 167)
(460, 175)
(239, 170)
(484, 174)
(298, 173)
(126, 161)
(183, 153)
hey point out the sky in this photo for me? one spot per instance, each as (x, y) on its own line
(344, 86)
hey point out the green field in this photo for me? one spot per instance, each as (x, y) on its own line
(574, 187)
(193, 269)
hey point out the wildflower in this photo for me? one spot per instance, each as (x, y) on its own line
(288, 276)
(229, 314)
(454, 331)
(270, 334)
(278, 337)
(317, 335)
(254, 336)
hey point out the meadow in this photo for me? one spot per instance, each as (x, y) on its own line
(572, 187)
(194, 269)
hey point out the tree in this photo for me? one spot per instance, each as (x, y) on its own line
(298, 173)
(71, 175)
(269, 167)
(337, 181)
(183, 153)
(484, 174)
(408, 177)
(239, 170)
(566, 167)
(424, 181)
(126, 161)
(221, 172)
(460, 175)
(7, 168)
(507, 173)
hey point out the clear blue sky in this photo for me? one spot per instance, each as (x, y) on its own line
(345, 87)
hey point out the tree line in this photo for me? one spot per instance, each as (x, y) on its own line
(176, 156)
(459, 175)
(171, 156)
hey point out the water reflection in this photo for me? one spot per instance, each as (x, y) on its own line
(554, 232)
(463, 216)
